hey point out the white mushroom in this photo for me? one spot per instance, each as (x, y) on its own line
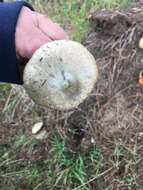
(36, 128)
(41, 135)
(60, 74)
(141, 43)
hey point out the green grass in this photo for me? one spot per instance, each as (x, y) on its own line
(131, 159)
(111, 4)
(71, 168)
(61, 168)
(73, 14)
(4, 88)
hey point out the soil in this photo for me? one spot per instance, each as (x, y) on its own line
(113, 112)
(114, 108)
(118, 98)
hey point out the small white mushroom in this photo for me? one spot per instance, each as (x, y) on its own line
(41, 135)
(36, 128)
(92, 140)
(141, 43)
(60, 74)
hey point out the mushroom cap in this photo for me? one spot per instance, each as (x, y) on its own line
(36, 128)
(60, 74)
(141, 43)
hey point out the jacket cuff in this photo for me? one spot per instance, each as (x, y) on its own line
(9, 12)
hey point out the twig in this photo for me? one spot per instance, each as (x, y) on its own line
(7, 162)
(139, 161)
(14, 161)
(16, 105)
(14, 173)
(95, 178)
(7, 101)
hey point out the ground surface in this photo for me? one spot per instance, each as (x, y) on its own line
(102, 139)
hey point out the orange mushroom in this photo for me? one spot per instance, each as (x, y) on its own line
(140, 80)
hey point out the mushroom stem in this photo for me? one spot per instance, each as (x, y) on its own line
(65, 84)
(68, 80)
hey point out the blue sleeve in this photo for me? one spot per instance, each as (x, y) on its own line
(9, 71)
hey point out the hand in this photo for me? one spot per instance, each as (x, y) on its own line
(33, 30)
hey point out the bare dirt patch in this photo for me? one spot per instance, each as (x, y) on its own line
(114, 44)
(119, 99)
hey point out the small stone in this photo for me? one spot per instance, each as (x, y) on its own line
(37, 127)
(41, 135)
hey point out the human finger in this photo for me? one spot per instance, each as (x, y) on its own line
(51, 29)
(32, 42)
